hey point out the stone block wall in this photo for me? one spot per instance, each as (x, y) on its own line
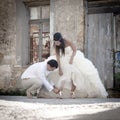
(8, 30)
(67, 17)
(7, 41)
(5, 76)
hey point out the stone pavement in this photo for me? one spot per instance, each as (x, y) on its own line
(22, 108)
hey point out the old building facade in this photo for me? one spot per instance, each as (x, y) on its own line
(27, 27)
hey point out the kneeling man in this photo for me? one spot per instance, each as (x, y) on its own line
(36, 75)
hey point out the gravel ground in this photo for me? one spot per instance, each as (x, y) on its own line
(21, 108)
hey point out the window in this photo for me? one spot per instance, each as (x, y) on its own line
(39, 33)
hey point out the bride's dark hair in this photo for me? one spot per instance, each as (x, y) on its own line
(58, 37)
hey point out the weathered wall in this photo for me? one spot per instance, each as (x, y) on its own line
(67, 17)
(7, 41)
(13, 42)
(22, 34)
(7, 30)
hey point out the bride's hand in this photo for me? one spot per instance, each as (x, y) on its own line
(60, 72)
(70, 62)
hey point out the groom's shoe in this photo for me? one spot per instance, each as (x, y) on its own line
(29, 94)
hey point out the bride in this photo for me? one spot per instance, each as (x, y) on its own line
(77, 76)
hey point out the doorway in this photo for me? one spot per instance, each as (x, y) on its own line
(116, 52)
(100, 43)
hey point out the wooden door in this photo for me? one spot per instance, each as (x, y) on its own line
(116, 68)
(99, 44)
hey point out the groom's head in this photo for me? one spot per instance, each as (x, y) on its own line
(52, 65)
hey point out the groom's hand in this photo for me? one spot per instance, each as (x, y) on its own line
(56, 90)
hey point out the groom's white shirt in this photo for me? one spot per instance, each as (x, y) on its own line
(40, 72)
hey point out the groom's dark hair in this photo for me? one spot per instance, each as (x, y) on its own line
(53, 63)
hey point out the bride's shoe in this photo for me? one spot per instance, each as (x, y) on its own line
(72, 94)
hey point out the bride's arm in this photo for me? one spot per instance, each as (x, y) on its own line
(69, 43)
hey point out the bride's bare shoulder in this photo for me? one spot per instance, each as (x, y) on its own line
(67, 43)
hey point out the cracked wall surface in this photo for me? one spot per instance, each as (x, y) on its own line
(7, 41)
(68, 18)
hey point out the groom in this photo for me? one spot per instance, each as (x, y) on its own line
(36, 75)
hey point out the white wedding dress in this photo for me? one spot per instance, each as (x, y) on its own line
(83, 74)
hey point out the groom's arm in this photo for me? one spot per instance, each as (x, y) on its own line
(50, 87)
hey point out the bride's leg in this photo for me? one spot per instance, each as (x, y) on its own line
(73, 87)
(73, 81)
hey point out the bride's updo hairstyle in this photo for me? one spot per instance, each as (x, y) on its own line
(58, 37)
